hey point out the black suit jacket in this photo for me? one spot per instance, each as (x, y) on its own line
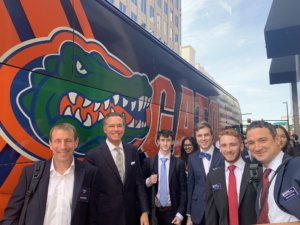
(119, 204)
(177, 182)
(82, 211)
(197, 181)
(216, 210)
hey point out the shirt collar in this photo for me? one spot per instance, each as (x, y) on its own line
(164, 156)
(275, 163)
(72, 166)
(238, 164)
(111, 146)
(210, 151)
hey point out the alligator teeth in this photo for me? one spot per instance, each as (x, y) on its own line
(77, 115)
(86, 103)
(97, 106)
(106, 104)
(125, 102)
(139, 124)
(80, 68)
(100, 116)
(116, 99)
(72, 97)
(133, 104)
(88, 121)
(131, 124)
(141, 102)
(68, 111)
(112, 110)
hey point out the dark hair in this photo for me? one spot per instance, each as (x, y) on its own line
(64, 126)
(114, 114)
(262, 124)
(202, 125)
(183, 155)
(165, 133)
(295, 136)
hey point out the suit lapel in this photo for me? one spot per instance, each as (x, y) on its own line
(171, 169)
(215, 159)
(78, 180)
(128, 160)
(199, 162)
(43, 189)
(244, 182)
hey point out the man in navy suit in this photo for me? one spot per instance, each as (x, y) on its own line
(282, 200)
(200, 163)
(170, 202)
(228, 204)
(122, 192)
(66, 192)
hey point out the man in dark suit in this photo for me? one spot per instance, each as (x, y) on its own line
(246, 155)
(230, 197)
(278, 198)
(168, 176)
(66, 189)
(200, 163)
(122, 193)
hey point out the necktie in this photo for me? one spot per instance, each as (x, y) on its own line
(204, 155)
(263, 216)
(120, 163)
(232, 198)
(163, 182)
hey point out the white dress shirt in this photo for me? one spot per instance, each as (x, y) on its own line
(238, 173)
(114, 152)
(59, 197)
(206, 162)
(276, 215)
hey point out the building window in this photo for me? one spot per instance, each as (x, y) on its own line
(144, 6)
(134, 2)
(176, 38)
(159, 3)
(176, 21)
(176, 3)
(111, 1)
(122, 8)
(158, 21)
(166, 8)
(171, 16)
(165, 28)
(171, 34)
(151, 13)
(133, 16)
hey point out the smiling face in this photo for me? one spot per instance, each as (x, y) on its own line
(230, 147)
(188, 146)
(114, 129)
(204, 138)
(282, 138)
(262, 145)
(63, 143)
(165, 144)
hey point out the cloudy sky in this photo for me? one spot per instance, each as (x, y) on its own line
(228, 36)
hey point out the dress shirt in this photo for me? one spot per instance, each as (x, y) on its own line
(238, 173)
(114, 152)
(276, 215)
(59, 197)
(206, 162)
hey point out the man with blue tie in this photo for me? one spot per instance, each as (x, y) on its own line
(200, 163)
(167, 174)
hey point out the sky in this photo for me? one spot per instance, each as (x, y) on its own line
(228, 36)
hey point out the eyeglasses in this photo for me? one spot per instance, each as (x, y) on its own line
(187, 146)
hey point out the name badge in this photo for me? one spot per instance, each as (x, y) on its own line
(289, 194)
(216, 187)
(84, 194)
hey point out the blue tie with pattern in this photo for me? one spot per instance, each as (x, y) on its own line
(163, 194)
(204, 155)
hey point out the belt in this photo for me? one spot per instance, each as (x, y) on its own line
(164, 209)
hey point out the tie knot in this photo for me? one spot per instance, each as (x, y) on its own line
(117, 149)
(267, 173)
(163, 160)
(204, 155)
(231, 168)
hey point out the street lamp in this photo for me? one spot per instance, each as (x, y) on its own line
(287, 115)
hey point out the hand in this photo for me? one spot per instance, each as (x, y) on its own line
(189, 221)
(176, 221)
(153, 179)
(144, 220)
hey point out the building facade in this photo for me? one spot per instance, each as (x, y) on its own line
(162, 18)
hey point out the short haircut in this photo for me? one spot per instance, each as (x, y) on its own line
(262, 124)
(64, 126)
(166, 134)
(231, 132)
(202, 125)
(114, 114)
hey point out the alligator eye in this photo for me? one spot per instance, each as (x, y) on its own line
(80, 68)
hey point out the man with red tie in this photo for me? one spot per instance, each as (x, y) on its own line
(230, 197)
(278, 198)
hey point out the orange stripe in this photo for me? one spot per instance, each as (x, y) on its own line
(84, 23)
(2, 143)
(44, 16)
(9, 36)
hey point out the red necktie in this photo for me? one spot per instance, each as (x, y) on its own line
(232, 198)
(263, 216)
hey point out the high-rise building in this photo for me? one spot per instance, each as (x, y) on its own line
(162, 18)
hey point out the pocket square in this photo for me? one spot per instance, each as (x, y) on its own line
(132, 163)
(216, 187)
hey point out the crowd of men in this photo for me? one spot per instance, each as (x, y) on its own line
(229, 185)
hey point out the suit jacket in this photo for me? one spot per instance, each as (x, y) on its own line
(216, 210)
(177, 182)
(246, 157)
(197, 181)
(287, 187)
(82, 210)
(119, 204)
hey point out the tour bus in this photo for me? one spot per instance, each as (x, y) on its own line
(76, 61)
